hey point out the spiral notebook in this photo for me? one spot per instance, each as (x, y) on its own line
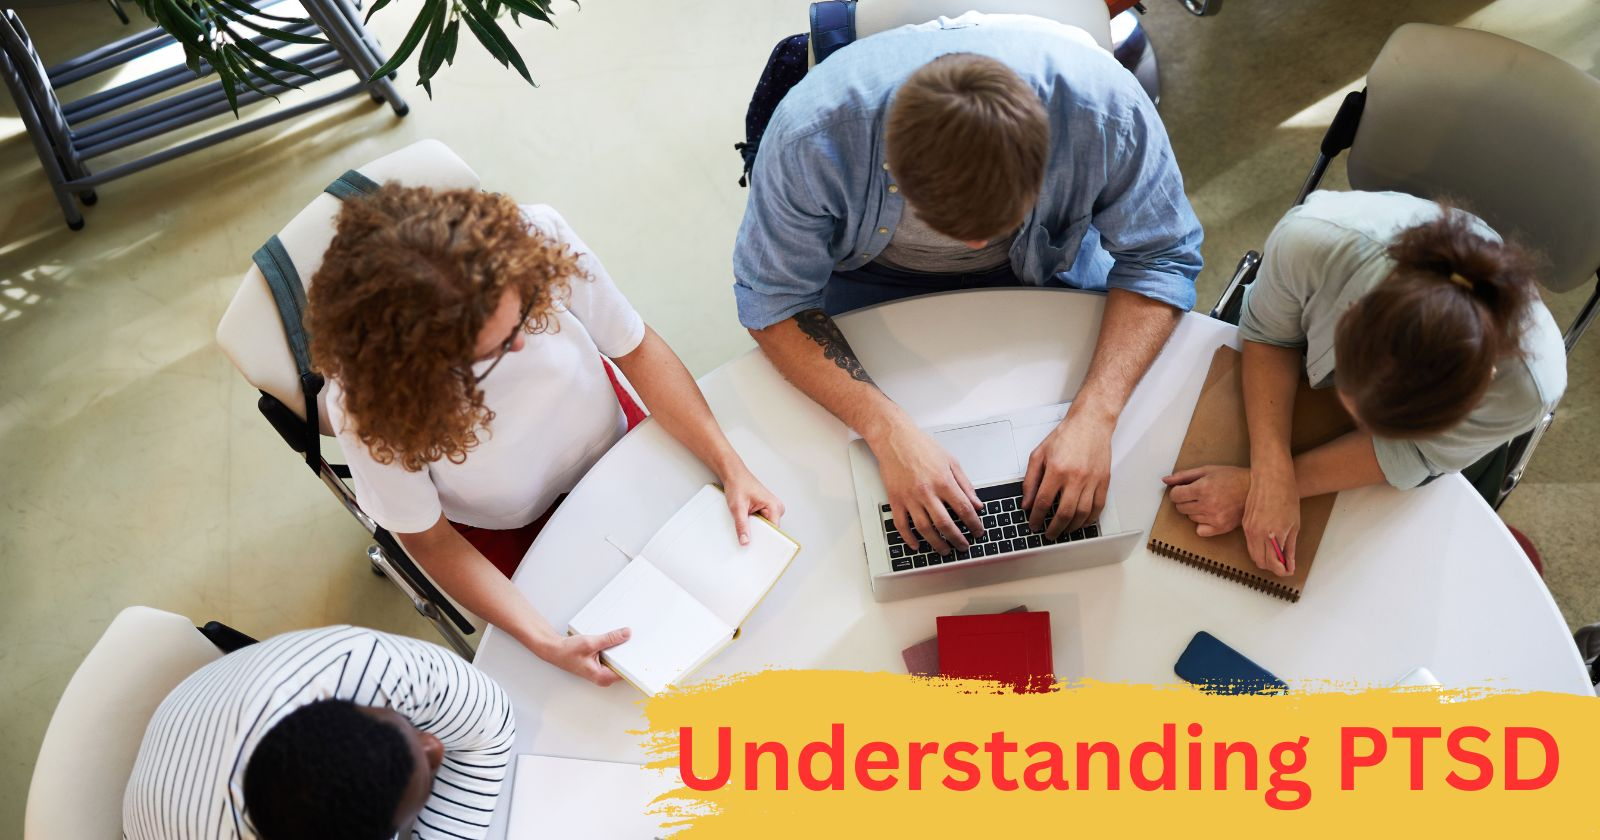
(1218, 434)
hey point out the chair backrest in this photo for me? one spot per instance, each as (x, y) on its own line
(1092, 16)
(1510, 132)
(250, 332)
(94, 735)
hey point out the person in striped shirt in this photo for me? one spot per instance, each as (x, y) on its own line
(339, 732)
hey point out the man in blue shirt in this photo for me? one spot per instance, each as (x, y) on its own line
(980, 151)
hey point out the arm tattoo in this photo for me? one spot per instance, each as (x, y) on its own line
(820, 328)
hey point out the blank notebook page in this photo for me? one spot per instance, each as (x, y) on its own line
(700, 550)
(572, 798)
(671, 630)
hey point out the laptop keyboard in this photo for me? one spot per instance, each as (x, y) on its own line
(1005, 530)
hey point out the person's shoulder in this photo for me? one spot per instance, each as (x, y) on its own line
(1352, 225)
(1067, 65)
(839, 100)
(328, 633)
(1543, 366)
(1376, 215)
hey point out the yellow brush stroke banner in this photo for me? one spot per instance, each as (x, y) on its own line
(830, 753)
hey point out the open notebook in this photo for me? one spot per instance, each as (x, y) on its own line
(570, 798)
(1218, 435)
(686, 593)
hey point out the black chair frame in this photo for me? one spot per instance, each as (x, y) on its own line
(387, 556)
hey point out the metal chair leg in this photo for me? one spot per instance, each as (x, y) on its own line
(1201, 8)
(1520, 456)
(427, 609)
(1580, 324)
(358, 51)
(41, 145)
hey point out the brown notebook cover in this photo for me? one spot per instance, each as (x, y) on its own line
(1218, 434)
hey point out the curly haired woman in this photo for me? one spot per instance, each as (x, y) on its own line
(465, 344)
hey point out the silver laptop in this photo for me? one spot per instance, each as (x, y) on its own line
(994, 453)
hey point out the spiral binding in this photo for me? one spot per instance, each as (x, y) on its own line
(1271, 587)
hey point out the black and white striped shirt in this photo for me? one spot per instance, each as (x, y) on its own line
(188, 781)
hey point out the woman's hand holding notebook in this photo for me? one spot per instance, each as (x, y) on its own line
(685, 595)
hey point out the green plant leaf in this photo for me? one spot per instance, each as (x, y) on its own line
(374, 9)
(227, 78)
(529, 9)
(175, 19)
(243, 70)
(265, 57)
(209, 31)
(245, 7)
(486, 39)
(451, 38)
(279, 34)
(176, 22)
(498, 35)
(432, 53)
(408, 44)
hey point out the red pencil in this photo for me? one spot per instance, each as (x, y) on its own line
(1284, 561)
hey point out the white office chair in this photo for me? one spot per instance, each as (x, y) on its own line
(1504, 129)
(252, 335)
(94, 735)
(1092, 16)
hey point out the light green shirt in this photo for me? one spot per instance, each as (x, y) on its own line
(1328, 252)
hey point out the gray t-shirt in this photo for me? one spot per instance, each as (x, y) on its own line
(1329, 252)
(917, 247)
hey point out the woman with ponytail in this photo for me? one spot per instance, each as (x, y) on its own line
(1426, 321)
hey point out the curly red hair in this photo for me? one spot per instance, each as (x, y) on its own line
(395, 311)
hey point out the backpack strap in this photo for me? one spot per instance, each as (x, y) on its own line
(289, 293)
(351, 183)
(833, 25)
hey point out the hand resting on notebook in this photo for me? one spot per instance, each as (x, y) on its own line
(1220, 499)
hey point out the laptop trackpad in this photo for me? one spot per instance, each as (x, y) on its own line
(985, 451)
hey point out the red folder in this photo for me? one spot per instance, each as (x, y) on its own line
(1013, 648)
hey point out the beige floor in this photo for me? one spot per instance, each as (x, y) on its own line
(136, 470)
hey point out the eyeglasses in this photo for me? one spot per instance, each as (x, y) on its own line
(505, 346)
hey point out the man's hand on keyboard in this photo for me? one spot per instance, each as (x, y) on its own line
(1072, 464)
(922, 479)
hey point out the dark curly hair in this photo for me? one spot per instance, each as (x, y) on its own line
(327, 771)
(395, 310)
(1417, 353)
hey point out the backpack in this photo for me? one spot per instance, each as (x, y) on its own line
(833, 25)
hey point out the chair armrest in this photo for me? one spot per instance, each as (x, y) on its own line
(1229, 304)
(224, 637)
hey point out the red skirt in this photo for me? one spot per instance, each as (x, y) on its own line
(505, 549)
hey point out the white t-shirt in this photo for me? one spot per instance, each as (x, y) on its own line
(555, 415)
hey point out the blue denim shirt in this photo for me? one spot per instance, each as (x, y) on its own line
(822, 198)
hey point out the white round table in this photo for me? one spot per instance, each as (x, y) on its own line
(1428, 577)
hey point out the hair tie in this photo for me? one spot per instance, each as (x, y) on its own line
(1462, 282)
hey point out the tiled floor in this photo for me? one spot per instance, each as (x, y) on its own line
(135, 470)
